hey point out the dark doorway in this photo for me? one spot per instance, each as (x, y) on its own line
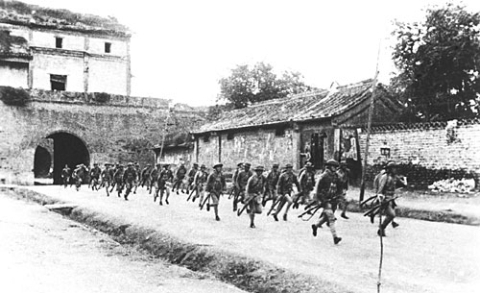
(67, 150)
(58, 82)
(316, 149)
(42, 162)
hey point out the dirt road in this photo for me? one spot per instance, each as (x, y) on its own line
(41, 251)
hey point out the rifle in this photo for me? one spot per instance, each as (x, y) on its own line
(297, 199)
(205, 200)
(375, 209)
(240, 211)
(275, 203)
(367, 200)
(191, 192)
(311, 211)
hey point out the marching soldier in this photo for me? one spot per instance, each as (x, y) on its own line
(307, 182)
(164, 176)
(137, 177)
(118, 179)
(78, 175)
(65, 175)
(107, 177)
(241, 184)
(179, 176)
(199, 184)
(154, 180)
(129, 178)
(114, 170)
(326, 192)
(234, 190)
(254, 193)
(387, 184)
(284, 191)
(191, 176)
(271, 185)
(145, 175)
(215, 185)
(94, 176)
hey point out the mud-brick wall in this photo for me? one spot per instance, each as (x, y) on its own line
(426, 152)
(257, 147)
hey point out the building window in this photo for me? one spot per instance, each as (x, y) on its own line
(230, 136)
(58, 82)
(108, 47)
(58, 42)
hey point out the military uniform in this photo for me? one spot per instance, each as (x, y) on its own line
(179, 176)
(154, 180)
(307, 182)
(254, 193)
(65, 175)
(129, 178)
(271, 184)
(94, 176)
(215, 185)
(387, 183)
(326, 192)
(118, 179)
(107, 177)
(241, 184)
(145, 175)
(284, 191)
(78, 175)
(342, 185)
(191, 176)
(199, 183)
(164, 176)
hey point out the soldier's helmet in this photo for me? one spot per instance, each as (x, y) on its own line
(391, 165)
(332, 162)
(203, 167)
(218, 165)
(240, 164)
(308, 165)
(195, 165)
(247, 165)
(275, 166)
(288, 166)
(95, 164)
(258, 168)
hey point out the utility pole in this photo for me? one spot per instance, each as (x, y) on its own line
(369, 125)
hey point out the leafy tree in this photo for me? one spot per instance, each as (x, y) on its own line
(439, 62)
(245, 86)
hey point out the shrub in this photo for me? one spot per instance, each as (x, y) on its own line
(14, 96)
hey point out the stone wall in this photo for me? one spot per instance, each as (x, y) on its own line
(119, 129)
(425, 151)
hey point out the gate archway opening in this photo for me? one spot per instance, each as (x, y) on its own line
(70, 150)
(42, 162)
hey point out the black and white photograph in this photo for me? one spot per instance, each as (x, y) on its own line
(200, 146)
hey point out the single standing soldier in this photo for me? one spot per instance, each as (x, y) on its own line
(342, 174)
(307, 182)
(199, 183)
(114, 170)
(164, 176)
(129, 178)
(254, 193)
(179, 176)
(118, 179)
(284, 191)
(154, 180)
(241, 184)
(65, 175)
(78, 175)
(145, 175)
(326, 192)
(191, 176)
(94, 176)
(215, 185)
(107, 177)
(388, 182)
(271, 185)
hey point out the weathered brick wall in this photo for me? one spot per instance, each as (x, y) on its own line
(111, 131)
(258, 147)
(425, 152)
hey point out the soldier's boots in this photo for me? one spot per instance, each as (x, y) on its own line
(208, 207)
(381, 232)
(344, 215)
(217, 218)
(336, 240)
(285, 217)
(252, 225)
(395, 224)
(166, 201)
(275, 217)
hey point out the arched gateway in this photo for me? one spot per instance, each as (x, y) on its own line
(68, 149)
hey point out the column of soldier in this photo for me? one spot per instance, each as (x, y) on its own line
(252, 189)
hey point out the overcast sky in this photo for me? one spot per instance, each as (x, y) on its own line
(180, 49)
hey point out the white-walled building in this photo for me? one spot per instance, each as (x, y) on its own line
(63, 51)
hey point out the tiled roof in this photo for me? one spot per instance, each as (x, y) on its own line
(300, 107)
